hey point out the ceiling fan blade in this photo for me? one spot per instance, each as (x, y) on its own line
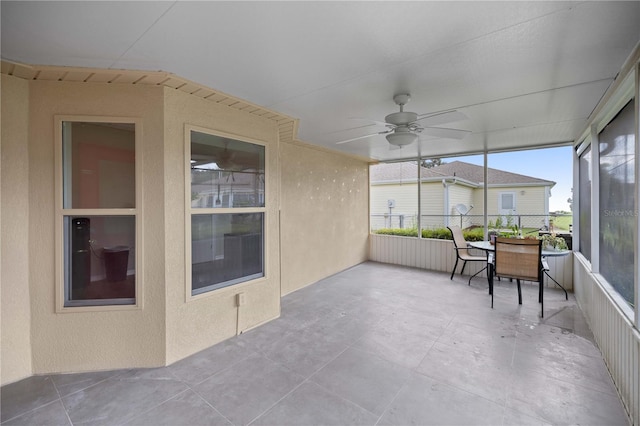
(381, 123)
(350, 129)
(362, 137)
(442, 132)
(441, 118)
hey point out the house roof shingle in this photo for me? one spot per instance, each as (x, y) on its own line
(407, 172)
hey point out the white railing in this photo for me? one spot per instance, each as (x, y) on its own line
(618, 340)
(439, 255)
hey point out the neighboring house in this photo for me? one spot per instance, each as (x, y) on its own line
(451, 189)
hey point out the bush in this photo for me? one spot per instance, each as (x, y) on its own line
(474, 234)
(437, 233)
(398, 232)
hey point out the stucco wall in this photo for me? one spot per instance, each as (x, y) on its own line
(203, 321)
(14, 250)
(324, 216)
(102, 338)
(324, 211)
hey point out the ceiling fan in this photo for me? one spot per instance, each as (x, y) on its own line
(215, 159)
(403, 126)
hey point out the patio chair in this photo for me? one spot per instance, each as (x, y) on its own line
(462, 252)
(519, 259)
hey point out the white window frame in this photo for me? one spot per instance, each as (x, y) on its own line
(61, 213)
(190, 211)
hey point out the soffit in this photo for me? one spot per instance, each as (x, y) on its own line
(286, 125)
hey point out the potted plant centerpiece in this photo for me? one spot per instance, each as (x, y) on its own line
(553, 242)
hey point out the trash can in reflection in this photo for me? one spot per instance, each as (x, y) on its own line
(116, 261)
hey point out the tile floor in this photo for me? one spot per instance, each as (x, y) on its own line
(376, 344)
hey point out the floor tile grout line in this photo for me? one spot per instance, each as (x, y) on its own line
(159, 404)
(47, 376)
(340, 396)
(210, 405)
(309, 380)
(459, 388)
(306, 379)
(219, 371)
(42, 405)
(66, 410)
(386, 409)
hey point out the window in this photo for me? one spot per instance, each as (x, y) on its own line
(226, 202)
(98, 212)
(584, 170)
(617, 202)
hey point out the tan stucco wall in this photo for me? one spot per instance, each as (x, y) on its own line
(14, 250)
(214, 316)
(324, 215)
(324, 210)
(103, 338)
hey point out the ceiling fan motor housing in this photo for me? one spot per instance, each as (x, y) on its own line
(400, 118)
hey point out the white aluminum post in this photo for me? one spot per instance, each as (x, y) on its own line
(485, 198)
(595, 200)
(636, 273)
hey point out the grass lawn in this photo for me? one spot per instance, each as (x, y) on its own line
(562, 222)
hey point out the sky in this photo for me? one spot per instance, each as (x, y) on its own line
(554, 164)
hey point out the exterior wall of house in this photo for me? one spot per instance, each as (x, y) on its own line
(406, 203)
(15, 333)
(196, 323)
(325, 200)
(432, 204)
(460, 194)
(94, 338)
(531, 202)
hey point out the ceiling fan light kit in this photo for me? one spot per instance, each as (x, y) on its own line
(402, 138)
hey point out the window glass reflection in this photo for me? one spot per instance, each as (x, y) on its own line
(98, 165)
(617, 202)
(226, 249)
(225, 172)
(100, 258)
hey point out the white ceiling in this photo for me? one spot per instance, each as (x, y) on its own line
(525, 73)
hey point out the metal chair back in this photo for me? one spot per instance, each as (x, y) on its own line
(518, 258)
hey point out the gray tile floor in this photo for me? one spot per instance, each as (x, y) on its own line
(376, 344)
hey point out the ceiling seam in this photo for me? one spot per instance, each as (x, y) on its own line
(504, 129)
(113, 64)
(582, 83)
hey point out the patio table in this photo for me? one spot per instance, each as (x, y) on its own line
(488, 247)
